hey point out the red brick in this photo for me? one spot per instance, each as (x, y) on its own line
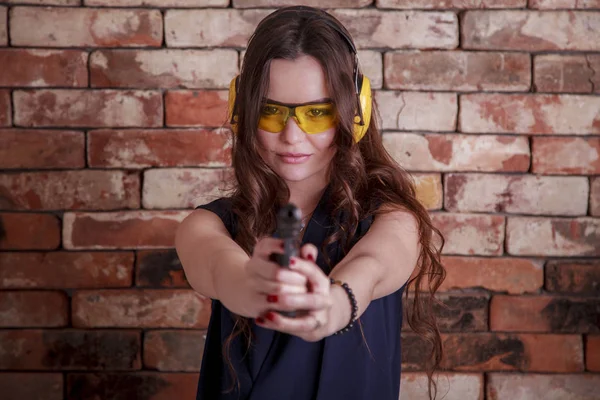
(196, 108)
(567, 73)
(34, 385)
(538, 386)
(471, 234)
(544, 314)
(531, 30)
(449, 4)
(139, 385)
(70, 349)
(33, 309)
(121, 230)
(453, 386)
(519, 194)
(5, 108)
(567, 353)
(183, 188)
(454, 311)
(159, 148)
(88, 108)
(159, 268)
(450, 152)
(595, 196)
(479, 352)
(429, 190)
(312, 3)
(63, 269)
(163, 68)
(89, 27)
(525, 352)
(529, 113)
(40, 149)
(457, 70)
(417, 110)
(174, 350)
(571, 156)
(204, 28)
(24, 67)
(158, 3)
(145, 308)
(46, 2)
(372, 28)
(538, 236)
(578, 277)
(20, 231)
(562, 4)
(58, 190)
(459, 312)
(592, 355)
(510, 275)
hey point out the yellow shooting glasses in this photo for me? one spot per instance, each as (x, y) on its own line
(310, 117)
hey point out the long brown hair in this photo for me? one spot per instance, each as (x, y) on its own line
(362, 175)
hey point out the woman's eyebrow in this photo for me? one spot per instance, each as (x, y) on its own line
(322, 100)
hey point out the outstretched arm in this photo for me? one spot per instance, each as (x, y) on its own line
(378, 264)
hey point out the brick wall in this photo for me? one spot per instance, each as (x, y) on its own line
(111, 116)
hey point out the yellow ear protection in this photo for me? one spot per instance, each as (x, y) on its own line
(362, 84)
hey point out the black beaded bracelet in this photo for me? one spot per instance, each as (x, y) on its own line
(353, 304)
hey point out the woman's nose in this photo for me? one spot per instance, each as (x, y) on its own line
(292, 132)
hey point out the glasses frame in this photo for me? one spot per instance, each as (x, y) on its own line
(292, 110)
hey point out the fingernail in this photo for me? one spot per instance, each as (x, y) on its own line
(292, 261)
(272, 298)
(270, 316)
(260, 320)
(310, 257)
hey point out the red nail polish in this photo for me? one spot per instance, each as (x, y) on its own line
(292, 261)
(260, 320)
(270, 316)
(272, 298)
(310, 257)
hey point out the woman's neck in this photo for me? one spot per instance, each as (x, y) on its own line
(306, 196)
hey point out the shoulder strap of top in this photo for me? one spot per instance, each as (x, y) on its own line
(223, 208)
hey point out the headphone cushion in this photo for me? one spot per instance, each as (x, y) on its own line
(365, 108)
(232, 119)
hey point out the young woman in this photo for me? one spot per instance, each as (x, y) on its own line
(301, 113)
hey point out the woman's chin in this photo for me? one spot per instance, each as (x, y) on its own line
(293, 174)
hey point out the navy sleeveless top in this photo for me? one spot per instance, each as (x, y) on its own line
(281, 366)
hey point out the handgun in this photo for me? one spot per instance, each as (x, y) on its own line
(289, 224)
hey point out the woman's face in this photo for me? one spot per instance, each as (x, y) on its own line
(293, 154)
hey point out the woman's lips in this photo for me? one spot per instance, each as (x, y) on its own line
(293, 158)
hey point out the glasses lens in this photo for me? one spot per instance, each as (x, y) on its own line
(311, 118)
(273, 118)
(315, 118)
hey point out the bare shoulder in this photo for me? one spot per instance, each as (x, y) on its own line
(202, 243)
(200, 223)
(393, 217)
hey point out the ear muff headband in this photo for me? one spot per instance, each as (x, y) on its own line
(362, 83)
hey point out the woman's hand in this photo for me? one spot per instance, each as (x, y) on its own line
(312, 321)
(266, 278)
